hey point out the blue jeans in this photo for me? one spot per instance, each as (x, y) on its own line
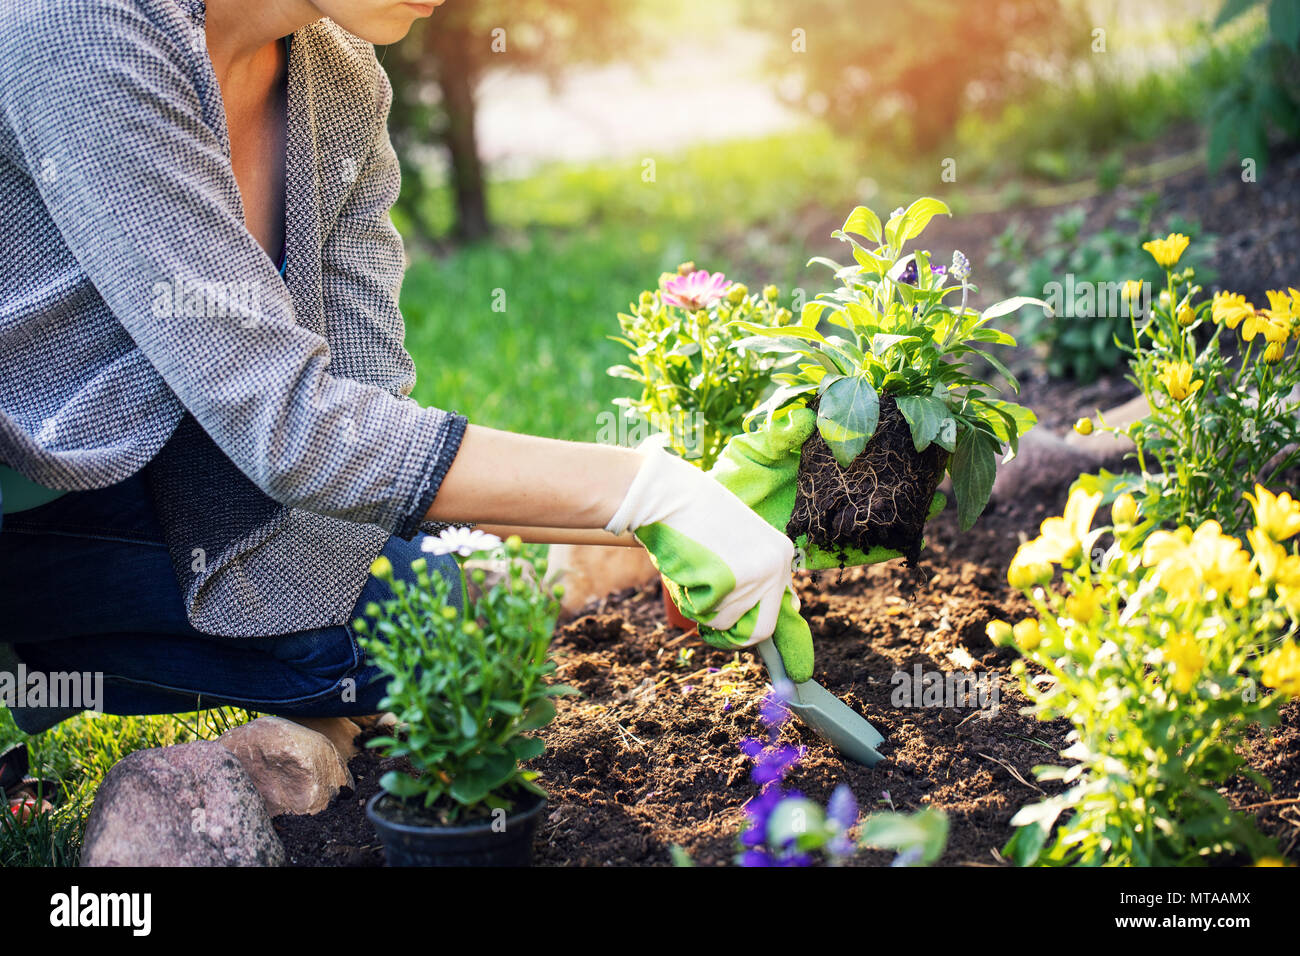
(86, 585)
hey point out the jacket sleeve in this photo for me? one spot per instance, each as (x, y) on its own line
(106, 94)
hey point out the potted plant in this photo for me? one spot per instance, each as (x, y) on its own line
(899, 401)
(470, 689)
(696, 385)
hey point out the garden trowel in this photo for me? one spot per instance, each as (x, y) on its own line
(826, 714)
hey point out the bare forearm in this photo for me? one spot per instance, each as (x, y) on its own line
(504, 479)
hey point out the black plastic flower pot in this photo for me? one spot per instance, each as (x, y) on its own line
(478, 844)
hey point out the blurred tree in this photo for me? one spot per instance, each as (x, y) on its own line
(436, 72)
(909, 70)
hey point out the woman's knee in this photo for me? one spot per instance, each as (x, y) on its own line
(402, 554)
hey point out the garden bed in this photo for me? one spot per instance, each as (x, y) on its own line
(648, 756)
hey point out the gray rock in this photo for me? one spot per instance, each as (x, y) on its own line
(187, 805)
(294, 768)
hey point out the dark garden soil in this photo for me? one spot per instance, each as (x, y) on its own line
(647, 757)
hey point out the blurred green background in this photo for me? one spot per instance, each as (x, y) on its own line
(527, 128)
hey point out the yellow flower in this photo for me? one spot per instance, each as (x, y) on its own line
(1231, 308)
(1277, 566)
(1085, 605)
(1271, 861)
(1274, 323)
(381, 567)
(1281, 305)
(1169, 250)
(1281, 669)
(1186, 315)
(1184, 562)
(1083, 426)
(1028, 634)
(1274, 352)
(1062, 540)
(1177, 379)
(1184, 653)
(1278, 516)
(1028, 568)
(1124, 512)
(1131, 293)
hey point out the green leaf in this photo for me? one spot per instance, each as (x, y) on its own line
(925, 414)
(541, 713)
(925, 831)
(400, 785)
(974, 466)
(918, 216)
(526, 748)
(863, 222)
(847, 417)
(1015, 303)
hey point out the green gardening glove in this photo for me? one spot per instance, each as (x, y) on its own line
(723, 564)
(761, 468)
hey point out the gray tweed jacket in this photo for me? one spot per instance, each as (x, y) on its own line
(142, 326)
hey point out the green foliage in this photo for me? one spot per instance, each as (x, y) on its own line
(1218, 376)
(470, 687)
(918, 838)
(1154, 651)
(695, 387)
(904, 340)
(1266, 95)
(1080, 275)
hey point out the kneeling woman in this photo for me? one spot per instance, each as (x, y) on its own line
(205, 430)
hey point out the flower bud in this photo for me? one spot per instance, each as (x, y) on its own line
(382, 568)
(686, 268)
(1186, 315)
(514, 545)
(1028, 634)
(771, 293)
(1274, 352)
(736, 294)
(1083, 426)
(1000, 633)
(1124, 512)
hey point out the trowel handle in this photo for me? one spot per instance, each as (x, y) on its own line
(772, 658)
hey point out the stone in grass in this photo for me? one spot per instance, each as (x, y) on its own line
(296, 769)
(187, 805)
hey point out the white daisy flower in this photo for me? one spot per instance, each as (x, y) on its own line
(462, 541)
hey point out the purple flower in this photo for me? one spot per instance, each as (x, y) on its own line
(751, 747)
(939, 270)
(773, 764)
(756, 858)
(842, 807)
(909, 275)
(696, 290)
